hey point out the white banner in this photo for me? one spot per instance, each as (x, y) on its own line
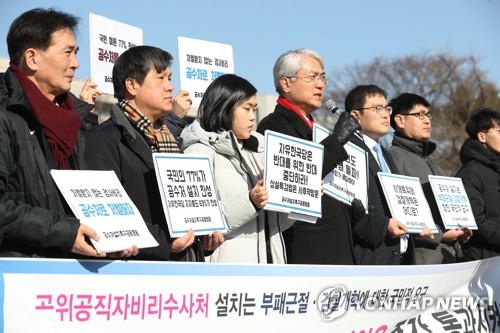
(407, 201)
(293, 174)
(65, 296)
(453, 202)
(188, 194)
(108, 40)
(200, 63)
(99, 200)
(348, 180)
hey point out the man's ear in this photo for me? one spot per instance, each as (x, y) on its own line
(481, 136)
(355, 114)
(131, 86)
(398, 119)
(285, 84)
(31, 59)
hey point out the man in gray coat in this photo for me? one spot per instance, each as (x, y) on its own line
(415, 155)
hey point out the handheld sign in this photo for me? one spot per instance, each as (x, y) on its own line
(98, 199)
(109, 39)
(348, 180)
(188, 194)
(293, 174)
(407, 202)
(200, 63)
(453, 202)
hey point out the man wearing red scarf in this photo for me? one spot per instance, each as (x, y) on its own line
(39, 131)
(300, 81)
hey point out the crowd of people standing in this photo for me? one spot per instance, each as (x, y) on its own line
(43, 126)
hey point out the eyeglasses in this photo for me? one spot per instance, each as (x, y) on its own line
(420, 115)
(311, 78)
(379, 109)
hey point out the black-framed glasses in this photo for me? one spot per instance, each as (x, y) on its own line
(311, 78)
(380, 109)
(420, 115)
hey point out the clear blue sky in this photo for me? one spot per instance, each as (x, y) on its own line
(344, 32)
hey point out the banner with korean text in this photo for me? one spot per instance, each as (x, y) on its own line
(200, 63)
(98, 199)
(56, 296)
(188, 194)
(108, 40)
(292, 175)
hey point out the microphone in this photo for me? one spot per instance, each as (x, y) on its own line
(330, 105)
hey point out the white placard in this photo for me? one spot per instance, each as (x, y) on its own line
(108, 40)
(293, 174)
(188, 194)
(453, 202)
(348, 180)
(200, 63)
(407, 201)
(99, 200)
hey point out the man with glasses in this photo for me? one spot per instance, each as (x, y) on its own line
(480, 172)
(379, 239)
(415, 155)
(300, 81)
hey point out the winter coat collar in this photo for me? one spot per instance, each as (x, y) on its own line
(223, 142)
(473, 150)
(423, 149)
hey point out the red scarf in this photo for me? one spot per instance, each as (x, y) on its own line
(287, 104)
(60, 124)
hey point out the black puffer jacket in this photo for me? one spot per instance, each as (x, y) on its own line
(480, 174)
(33, 219)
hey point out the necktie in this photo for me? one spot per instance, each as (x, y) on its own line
(380, 157)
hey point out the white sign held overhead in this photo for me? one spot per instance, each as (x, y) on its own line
(453, 202)
(188, 194)
(108, 40)
(407, 201)
(99, 200)
(348, 180)
(200, 63)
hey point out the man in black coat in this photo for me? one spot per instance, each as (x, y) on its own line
(480, 173)
(41, 129)
(300, 81)
(379, 239)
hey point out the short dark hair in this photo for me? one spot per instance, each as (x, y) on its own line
(404, 103)
(135, 63)
(34, 29)
(482, 121)
(215, 112)
(356, 98)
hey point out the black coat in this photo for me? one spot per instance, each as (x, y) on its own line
(372, 245)
(116, 145)
(34, 219)
(480, 173)
(329, 240)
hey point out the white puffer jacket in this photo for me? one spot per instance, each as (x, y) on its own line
(245, 241)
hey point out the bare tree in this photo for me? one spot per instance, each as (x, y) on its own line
(456, 87)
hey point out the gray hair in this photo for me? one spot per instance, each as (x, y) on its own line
(288, 64)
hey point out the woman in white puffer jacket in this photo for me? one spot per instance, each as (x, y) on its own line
(224, 132)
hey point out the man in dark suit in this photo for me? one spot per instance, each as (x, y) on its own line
(379, 239)
(300, 81)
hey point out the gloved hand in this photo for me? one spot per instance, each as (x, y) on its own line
(345, 127)
(357, 210)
